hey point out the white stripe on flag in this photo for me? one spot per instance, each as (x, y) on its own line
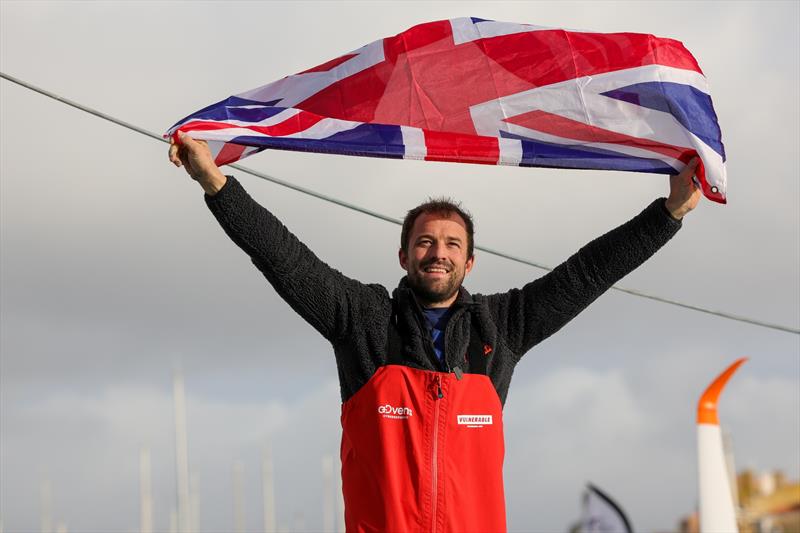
(414, 142)
(270, 121)
(464, 30)
(324, 129)
(619, 148)
(292, 90)
(510, 151)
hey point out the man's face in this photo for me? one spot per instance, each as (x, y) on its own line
(436, 260)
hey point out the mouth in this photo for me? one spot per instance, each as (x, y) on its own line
(436, 270)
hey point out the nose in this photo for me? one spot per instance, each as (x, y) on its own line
(438, 250)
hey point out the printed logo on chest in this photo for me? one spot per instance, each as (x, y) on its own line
(474, 421)
(389, 411)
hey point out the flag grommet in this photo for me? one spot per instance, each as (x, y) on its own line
(714, 190)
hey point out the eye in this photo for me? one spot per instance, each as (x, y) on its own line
(454, 244)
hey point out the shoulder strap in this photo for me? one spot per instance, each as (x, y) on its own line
(394, 344)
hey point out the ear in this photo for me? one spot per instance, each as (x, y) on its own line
(469, 264)
(401, 255)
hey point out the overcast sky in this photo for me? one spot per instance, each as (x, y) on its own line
(113, 272)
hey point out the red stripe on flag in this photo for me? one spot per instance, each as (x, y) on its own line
(297, 123)
(551, 56)
(416, 37)
(230, 152)
(202, 125)
(294, 124)
(606, 52)
(579, 131)
(428, 81)
(445, 146)
(328, 65)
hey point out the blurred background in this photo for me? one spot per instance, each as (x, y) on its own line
(130, 324)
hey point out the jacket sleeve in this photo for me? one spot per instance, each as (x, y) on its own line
(323, 296)
(527, 316)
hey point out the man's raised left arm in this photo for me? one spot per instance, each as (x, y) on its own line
(528, 315)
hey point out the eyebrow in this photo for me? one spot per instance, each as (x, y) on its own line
(431, 236)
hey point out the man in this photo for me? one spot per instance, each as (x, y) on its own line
(424, 372)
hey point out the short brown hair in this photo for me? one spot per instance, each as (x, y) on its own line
(444, 206)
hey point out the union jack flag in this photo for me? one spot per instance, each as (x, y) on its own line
(479, 91)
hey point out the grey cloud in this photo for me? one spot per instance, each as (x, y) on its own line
(113, 271)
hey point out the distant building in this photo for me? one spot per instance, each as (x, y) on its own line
(690, 524)
(767, 503)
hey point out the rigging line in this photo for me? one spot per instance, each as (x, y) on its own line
(393, 220)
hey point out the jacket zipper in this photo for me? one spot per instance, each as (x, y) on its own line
(435, 455)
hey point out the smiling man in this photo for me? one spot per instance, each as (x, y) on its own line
(436, 251)
(424, 371)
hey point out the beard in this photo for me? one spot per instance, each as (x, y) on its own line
(432, 291)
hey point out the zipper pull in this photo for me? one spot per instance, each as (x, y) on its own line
(458, 372)
(439, 392)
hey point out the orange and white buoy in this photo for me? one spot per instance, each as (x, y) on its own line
(717, 513)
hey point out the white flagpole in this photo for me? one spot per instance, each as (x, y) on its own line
(268, 489)
(194, 502)
(717, 513)
(299, 521)
(238, 497)
(145, 492)
(47, 506)
(173, 521)
(181, 454)
(328, 520)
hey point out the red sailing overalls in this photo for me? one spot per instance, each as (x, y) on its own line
(422, 451)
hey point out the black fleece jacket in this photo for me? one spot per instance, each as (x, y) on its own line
(355, 316)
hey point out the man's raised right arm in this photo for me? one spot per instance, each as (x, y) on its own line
(324, 297)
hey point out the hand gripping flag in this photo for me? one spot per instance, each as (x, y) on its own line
(479, 91)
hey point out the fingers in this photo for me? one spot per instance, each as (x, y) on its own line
(691, 174)
(173, 153)
(184, 139)
(191, 144)
(180, 146)
(690, 168)
(193, 155)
